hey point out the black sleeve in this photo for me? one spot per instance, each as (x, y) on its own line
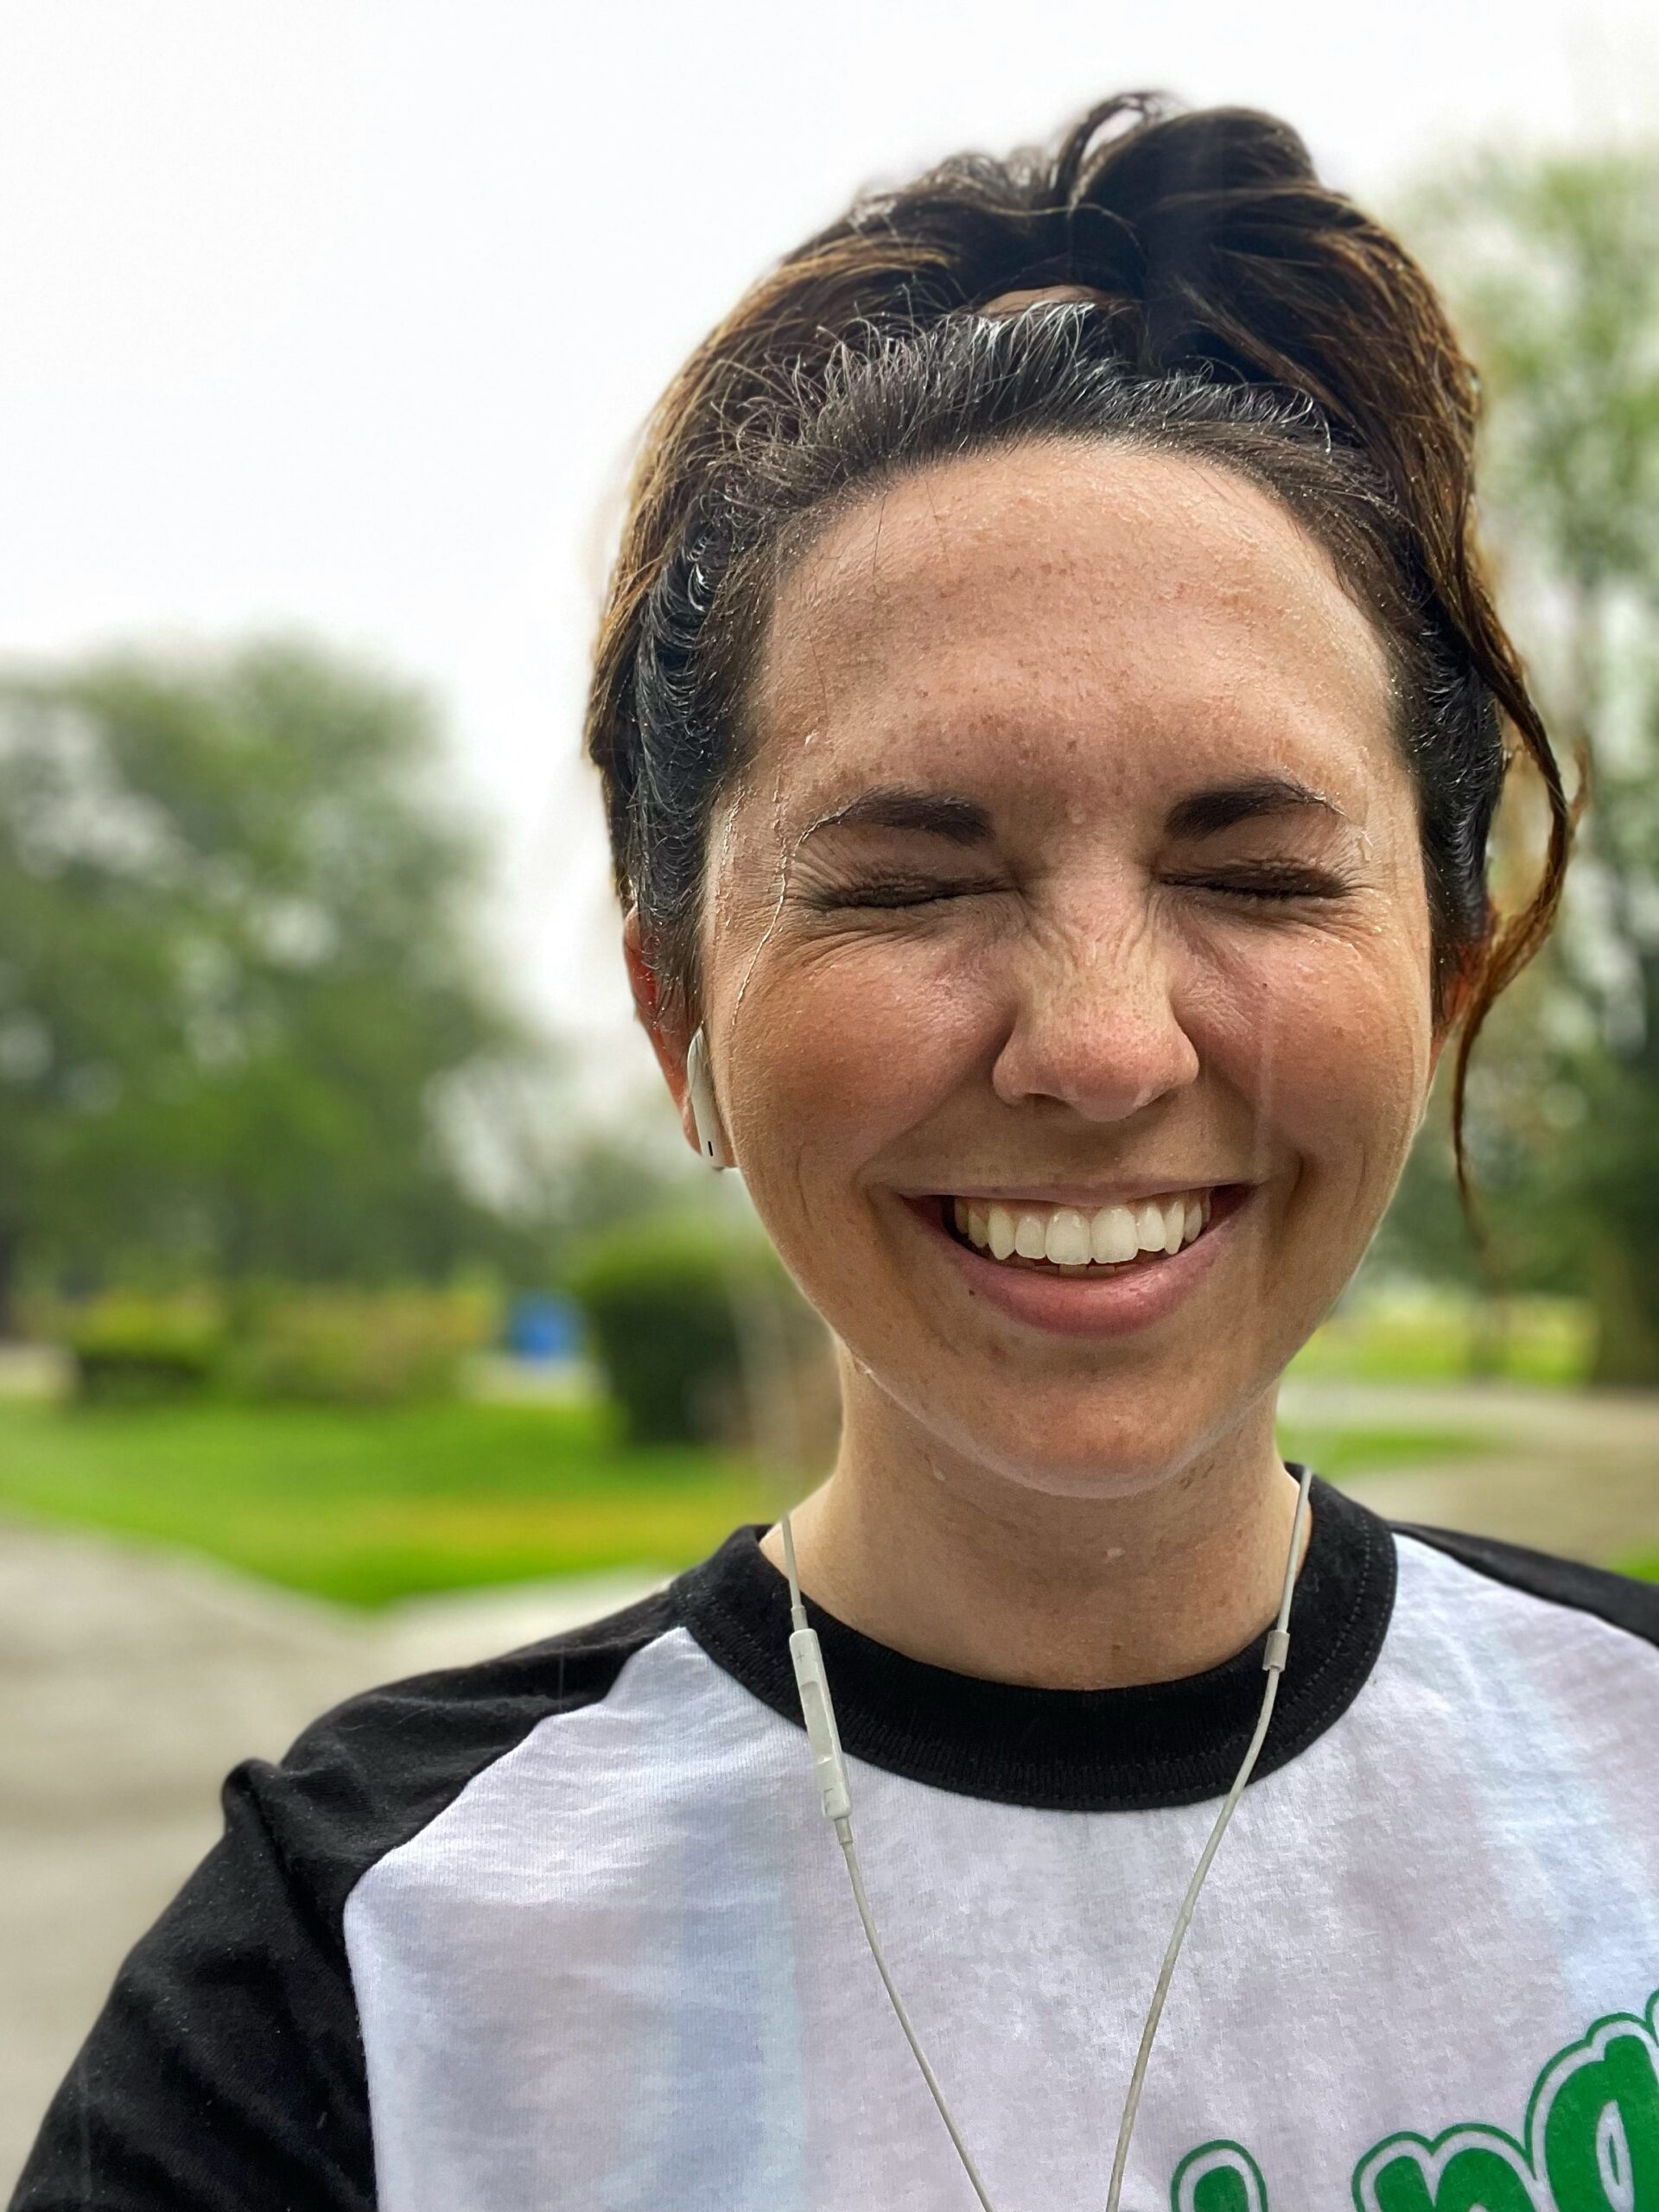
(225, 2072)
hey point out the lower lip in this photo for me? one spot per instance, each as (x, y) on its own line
(1112, 1305)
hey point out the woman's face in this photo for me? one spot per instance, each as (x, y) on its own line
(1072, 898)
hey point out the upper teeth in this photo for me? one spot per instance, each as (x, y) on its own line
(1068, 1237)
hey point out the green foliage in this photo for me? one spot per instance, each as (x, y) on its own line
(1442, 1334)
(238, 982)
(1337, 1453)
(1548, 263)
(633, 1167)
(271, 1342)
(365, 1507)
(663, 1301)
(129, 1349)
(358, 1348)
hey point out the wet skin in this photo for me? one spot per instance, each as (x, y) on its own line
(1075, 859)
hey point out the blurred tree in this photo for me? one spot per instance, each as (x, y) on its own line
(237, 974)
(1552, 267)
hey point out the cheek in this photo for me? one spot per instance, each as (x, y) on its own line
(1326, 1037)
(838, 1049)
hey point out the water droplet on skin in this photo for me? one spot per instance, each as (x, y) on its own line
(787, 855)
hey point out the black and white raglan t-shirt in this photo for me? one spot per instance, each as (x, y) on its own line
(566, 1932)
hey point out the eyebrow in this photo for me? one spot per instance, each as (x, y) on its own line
(893, 807)
(965, 822)
(1205, 813)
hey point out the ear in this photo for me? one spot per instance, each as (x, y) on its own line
(664, 1020)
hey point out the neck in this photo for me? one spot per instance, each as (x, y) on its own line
(943, 1560)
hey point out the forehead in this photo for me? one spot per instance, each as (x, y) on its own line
(1064, 616)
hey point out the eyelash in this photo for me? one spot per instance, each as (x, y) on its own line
(1283, 885)
(894, 895)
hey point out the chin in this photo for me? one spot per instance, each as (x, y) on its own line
(1096, 1453)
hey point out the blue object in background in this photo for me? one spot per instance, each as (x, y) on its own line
(542, 1325)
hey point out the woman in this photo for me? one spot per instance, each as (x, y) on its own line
(1052, 716)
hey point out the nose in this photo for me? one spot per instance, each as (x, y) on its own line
(1095, 1020)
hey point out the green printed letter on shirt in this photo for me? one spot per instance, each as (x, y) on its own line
(1218, 2177)
(1597, 2123)
(1591, 2144)
(1470, 2171)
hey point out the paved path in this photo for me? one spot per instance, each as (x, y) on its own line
(1578, 1475)
(131, 1682)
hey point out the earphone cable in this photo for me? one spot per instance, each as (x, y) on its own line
(819, 1715)
(1273, 1661)
(844, 1830)
(819, 1712)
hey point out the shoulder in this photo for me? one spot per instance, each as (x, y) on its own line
(225, 2072)
(1564, 1588)
(1536, 1644)
(1536, 1677)
(373, 1772)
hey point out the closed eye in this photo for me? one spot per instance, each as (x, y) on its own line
(1268, 880)
(890, 894)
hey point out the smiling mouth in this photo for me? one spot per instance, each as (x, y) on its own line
(1071, 1241)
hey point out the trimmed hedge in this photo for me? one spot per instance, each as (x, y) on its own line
(331, 1346)
(681, 1315)
(130, 1350)
(358, 1347)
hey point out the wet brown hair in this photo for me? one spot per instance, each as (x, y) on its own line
(1241, 310)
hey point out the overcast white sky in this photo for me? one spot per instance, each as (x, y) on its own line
(342, 314)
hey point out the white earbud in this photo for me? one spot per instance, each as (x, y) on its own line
(705, 1114)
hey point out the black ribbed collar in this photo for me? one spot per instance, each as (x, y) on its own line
(1078, 1751)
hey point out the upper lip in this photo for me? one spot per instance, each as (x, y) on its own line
(1128, 1191)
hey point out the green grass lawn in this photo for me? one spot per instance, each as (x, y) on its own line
(369, 1506)
(1438, 1336)
(1338, 1452)
(365, 1507)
